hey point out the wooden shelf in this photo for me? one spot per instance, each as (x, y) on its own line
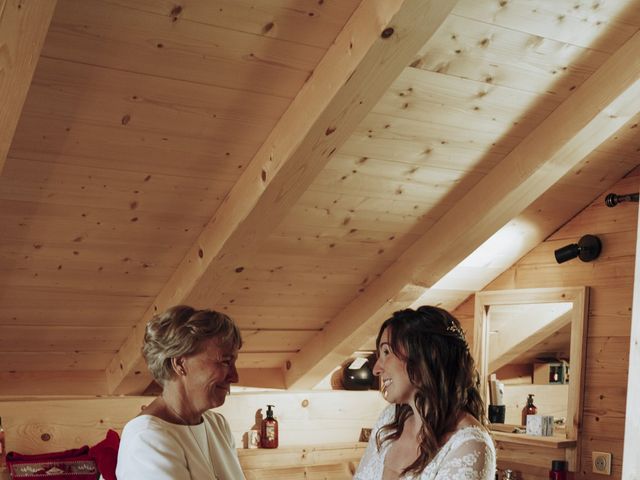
(555, 441)
(338, 461)
(303, 449)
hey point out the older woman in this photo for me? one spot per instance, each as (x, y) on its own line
(433, 428)
(192, 355)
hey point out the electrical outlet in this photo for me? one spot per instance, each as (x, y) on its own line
(601, 462)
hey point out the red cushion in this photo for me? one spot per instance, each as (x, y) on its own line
(105, 454)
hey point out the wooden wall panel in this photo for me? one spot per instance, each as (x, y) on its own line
(316, 246)
(418, 95)
(95, 95)
(90, 187)
(308, 418)
(36, 306)
(391, 179)
(532, 456)
(274, 339)
(84, 144)
(310, 22)
(550, 400)
(632, 422)
(248, 316)
(428, 143)
(96, 231)
(17, 338)
(508, 57)
(157, 45)
(611, 282)
(262, 359)
(337, 462)
(603, 26)
(30, 361)
(35, 381)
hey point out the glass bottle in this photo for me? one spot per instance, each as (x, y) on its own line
(529, 409)
(269, 434)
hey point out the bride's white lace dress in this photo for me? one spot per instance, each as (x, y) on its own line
(468, 455)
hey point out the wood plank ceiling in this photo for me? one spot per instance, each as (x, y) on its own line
(305, 166)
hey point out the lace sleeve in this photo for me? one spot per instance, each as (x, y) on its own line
(368, 462)
(473, 459)
(371, 463)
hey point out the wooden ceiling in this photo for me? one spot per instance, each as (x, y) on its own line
(307, 166)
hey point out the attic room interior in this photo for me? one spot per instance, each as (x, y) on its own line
(308, 168)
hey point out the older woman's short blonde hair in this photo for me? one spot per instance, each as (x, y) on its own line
(180, 331)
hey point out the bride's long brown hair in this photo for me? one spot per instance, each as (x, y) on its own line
(431, 343)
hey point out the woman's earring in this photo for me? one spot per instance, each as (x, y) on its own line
(182, 371)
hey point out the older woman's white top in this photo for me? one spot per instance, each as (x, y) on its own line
(468, 455)
(152, 448)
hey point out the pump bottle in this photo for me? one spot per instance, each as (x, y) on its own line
(269, 434)
(529, 409)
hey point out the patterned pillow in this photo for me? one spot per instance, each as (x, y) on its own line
(76, 464)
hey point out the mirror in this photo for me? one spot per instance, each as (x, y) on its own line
(533, 340)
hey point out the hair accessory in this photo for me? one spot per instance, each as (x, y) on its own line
(456, 330)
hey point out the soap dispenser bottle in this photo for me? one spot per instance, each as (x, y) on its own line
(269, 434)
(529, 409)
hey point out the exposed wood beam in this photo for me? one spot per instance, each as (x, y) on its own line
(596, 110)
(377, 43)
(23, 28)
(631, 459)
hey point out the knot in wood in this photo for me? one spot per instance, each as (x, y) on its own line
(387, 32)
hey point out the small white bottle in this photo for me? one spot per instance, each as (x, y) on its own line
(508, 475)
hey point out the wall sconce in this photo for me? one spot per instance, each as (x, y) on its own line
(587, 249)
(612, 199)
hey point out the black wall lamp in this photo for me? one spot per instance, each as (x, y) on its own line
(612, 199)
(587, 249)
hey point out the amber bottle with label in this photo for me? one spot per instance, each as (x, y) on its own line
(269, 434)
(529, 409)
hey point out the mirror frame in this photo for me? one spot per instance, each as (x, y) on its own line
(579, 297)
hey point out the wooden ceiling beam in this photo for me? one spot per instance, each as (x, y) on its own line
(23, 28)
(596, 110)
(377, 43)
